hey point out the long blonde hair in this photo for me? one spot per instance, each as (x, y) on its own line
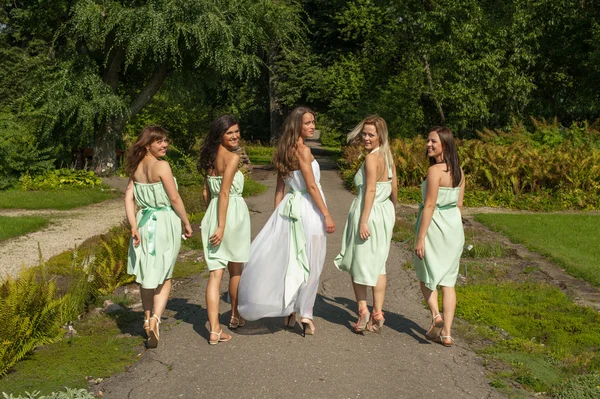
(382, 132)
(285, 158)
(138, 150)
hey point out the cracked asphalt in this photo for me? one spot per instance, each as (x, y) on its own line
(263, 360)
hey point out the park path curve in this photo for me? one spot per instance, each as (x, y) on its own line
(264, 360)
(67, 230)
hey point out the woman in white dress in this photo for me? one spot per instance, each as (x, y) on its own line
(286, 257)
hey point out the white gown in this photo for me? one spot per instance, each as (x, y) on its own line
(286, 257)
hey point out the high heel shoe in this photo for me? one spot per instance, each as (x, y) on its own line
(154, 334)
(446, 340)
(307, 327)
(376, 322)
(236, 322)
(290, 321)
(147, 327)
(219, 339)
(363, 318)
(436, 327)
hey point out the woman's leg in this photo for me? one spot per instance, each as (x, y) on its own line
(449, 307)
(235, 271)
(212, 301)
(432, 299)
(147, 304)
(379, 294)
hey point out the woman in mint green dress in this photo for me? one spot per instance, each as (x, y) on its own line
(156, 230)
(226, 223)
(368, 233)
(440, 236)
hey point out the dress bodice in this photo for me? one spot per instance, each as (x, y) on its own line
(447, 196)
(295, 180)
(151, 195)
(383, 189)
(237, 185)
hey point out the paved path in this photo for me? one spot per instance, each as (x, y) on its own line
(265, 361)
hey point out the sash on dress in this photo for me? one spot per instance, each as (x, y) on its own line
(149, 215)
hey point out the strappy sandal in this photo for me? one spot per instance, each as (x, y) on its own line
(147, 327)
(363, 319)
(154, 334)
(436, 327)
(376, 322)
(219, 339)
(236, 322)
(290, 321)
(446, 340)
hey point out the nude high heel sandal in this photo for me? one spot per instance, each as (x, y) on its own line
(154, 334)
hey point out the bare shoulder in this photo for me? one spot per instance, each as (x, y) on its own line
(435, 171)
(232, 157)
(161, 168)
(303, 153)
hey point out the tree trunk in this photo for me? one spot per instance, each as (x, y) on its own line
(275, 111)
(104, 162)
(435, 99)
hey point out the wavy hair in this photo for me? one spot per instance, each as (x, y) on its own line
(382, 132)
(450, 153)
(285, 158)
(210, 145)
(138, 150)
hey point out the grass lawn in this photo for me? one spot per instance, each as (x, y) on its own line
(14, 226)
(571, 240)
(259, 154)
(54, 199)
(98, 350)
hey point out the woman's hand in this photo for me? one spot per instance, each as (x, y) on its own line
(188, 230)
(364, 231)
(217, 237)
(136, 237)
(329, 224)
(420, 248)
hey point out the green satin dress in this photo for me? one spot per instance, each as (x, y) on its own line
(235, 245)
(365, 260)
(153, 260)
(444, 241)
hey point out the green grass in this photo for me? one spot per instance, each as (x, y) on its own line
(187, 268)
(252, 187)
(571, 240)
(54, 199)
(14, 226)
(96, 351)
(259, 154)
(542, 337)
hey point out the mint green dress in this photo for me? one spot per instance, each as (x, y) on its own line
(235, 245)
(153, 260)
(444, 241)
(365, 260)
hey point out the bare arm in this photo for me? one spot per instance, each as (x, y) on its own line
(433, 183)
(305, 160)
(279, 190)
(230, 169)
(370, 190)
(130, 212)
(394, 194)
(461, 194)
(163, 170)
(205, 192)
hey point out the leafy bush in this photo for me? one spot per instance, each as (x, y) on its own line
(60, 178)
(109, 267)
(578, 387)
(30, 313)
(66, 394)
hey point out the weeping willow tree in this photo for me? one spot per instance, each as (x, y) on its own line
(116, 55)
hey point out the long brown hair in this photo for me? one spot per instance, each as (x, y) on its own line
(285, 158)
(450, 153)
(138, 150)
(382, 132)
(210, 145)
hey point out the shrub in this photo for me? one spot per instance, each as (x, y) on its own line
(30, 314)
(109, 266)
(66, 394)
(60, 178)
